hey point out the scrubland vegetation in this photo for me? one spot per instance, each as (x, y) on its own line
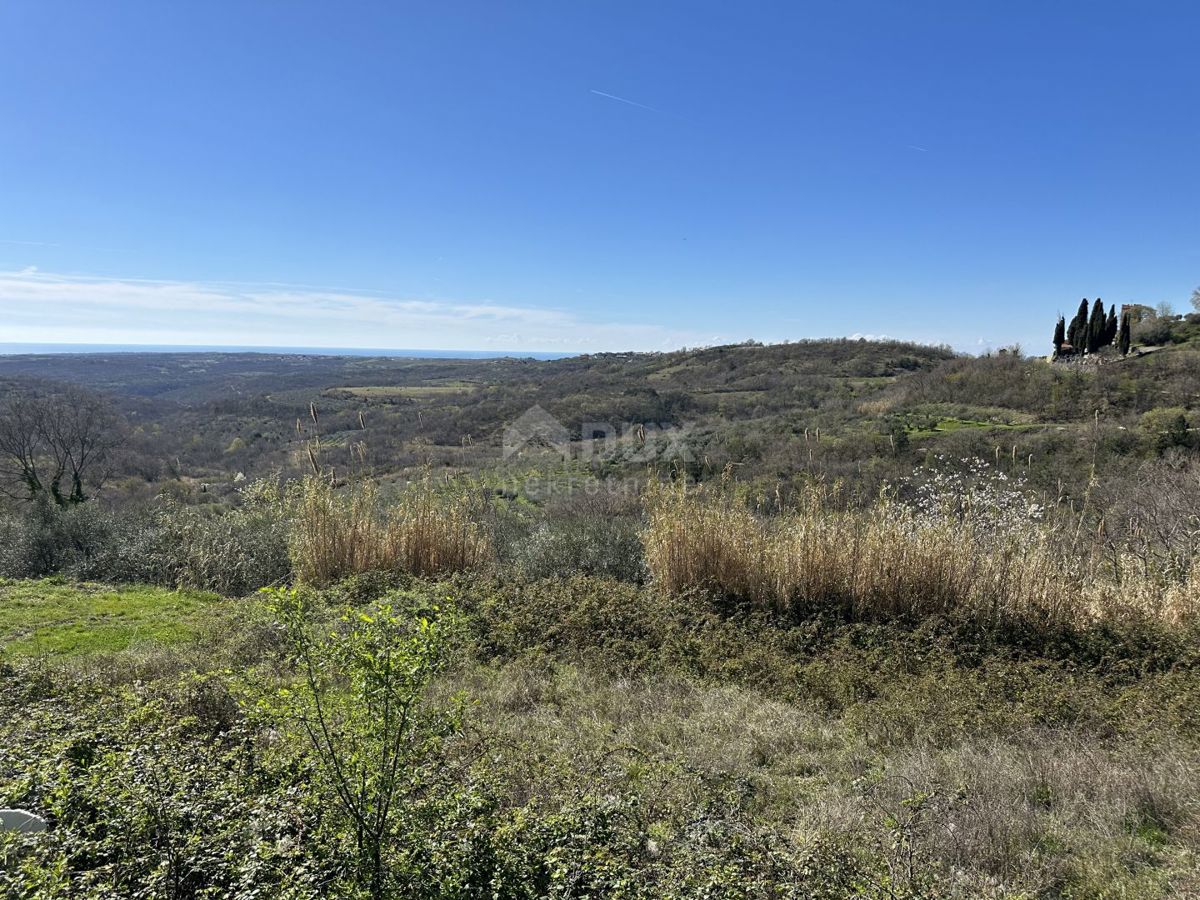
(896, 625)
(891, 560)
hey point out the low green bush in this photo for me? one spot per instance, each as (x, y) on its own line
(606, 547)
(233, 550)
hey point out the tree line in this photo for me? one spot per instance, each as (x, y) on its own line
(1088, 332)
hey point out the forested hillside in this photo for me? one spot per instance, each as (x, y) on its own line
(824, 619)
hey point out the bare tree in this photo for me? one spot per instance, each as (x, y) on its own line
(55, 440)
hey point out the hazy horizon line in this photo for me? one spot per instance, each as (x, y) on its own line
(37, 348)
(53, 348)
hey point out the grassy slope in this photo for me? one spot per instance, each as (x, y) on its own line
(57, 620)
(1054, 764)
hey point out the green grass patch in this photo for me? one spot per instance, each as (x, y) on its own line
(413, 392)
(944, 425)
(730, 396)
(55, 618)
(868, 381)
(947, 424)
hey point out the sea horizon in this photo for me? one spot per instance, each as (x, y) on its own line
(14, 348)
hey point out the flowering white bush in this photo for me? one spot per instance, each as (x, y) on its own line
(972, 492)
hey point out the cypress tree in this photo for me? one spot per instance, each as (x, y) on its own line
(1060, 330)
(1123, 338)
(1110, 327)
(1077, 333)
(1095, 327)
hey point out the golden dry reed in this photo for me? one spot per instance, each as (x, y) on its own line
(425, 531)
(886, 561)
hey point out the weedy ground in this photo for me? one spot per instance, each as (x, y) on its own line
(727, 694)
(619, 740)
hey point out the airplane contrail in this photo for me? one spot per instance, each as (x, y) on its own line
(623, 100)
(915, 147)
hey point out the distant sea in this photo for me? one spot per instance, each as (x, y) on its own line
(11, 349)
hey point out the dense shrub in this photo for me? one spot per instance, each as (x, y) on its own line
(147, 798)
(1168, 428)
(206, 787)
(1154, 331)
(588, 545)
(232, 550)
(41, 538)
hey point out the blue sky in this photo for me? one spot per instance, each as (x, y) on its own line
(462, 175)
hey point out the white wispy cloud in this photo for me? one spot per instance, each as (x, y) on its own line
(48, 307)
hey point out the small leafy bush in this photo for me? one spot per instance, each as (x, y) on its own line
(604, 547)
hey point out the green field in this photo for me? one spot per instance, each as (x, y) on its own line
(950, 424)
(414, 392)
(56, 619)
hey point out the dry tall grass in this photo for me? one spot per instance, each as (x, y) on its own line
(885, 561)
(426, 531)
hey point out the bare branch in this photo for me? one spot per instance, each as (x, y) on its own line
(54, 440)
